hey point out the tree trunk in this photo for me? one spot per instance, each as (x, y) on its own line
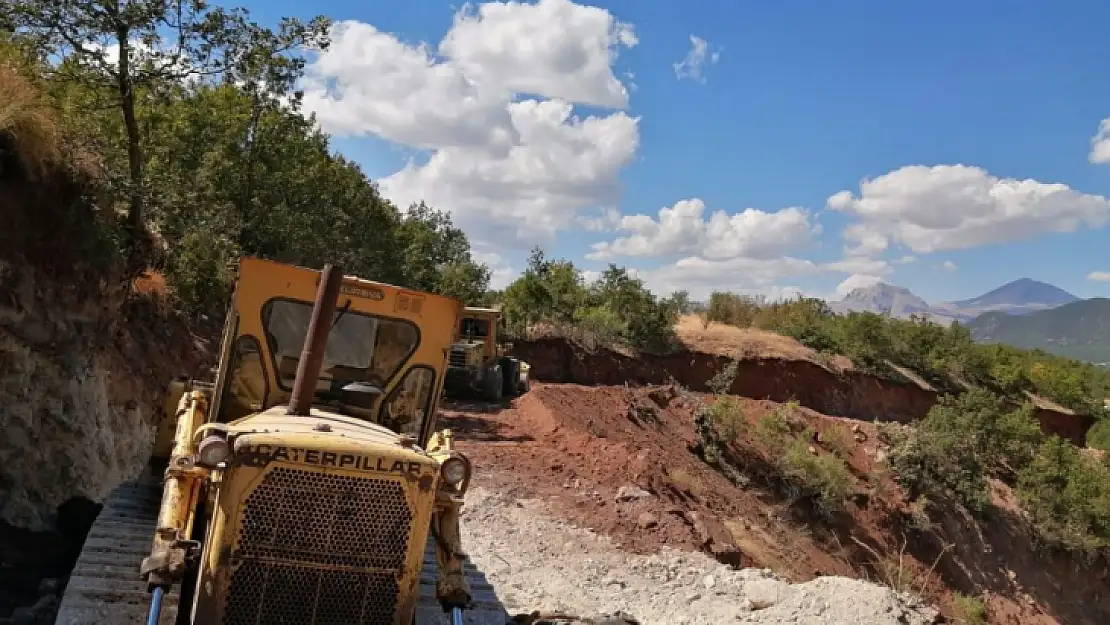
(134, 148)
(252, 151)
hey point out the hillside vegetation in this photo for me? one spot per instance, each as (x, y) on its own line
(193, 163)
(946, 356)
(1079, 330)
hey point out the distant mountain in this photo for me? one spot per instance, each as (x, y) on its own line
(899, 301)
(1020, 297)
(1080, 329)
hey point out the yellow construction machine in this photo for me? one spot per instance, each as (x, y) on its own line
(306, 483)
(479, 362)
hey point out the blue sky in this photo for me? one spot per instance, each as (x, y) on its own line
(805, 99)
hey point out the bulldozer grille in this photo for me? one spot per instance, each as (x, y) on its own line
(458, 358)
(319, 549)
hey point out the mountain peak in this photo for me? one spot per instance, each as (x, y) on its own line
(1018, 297)
(1020, 294)
(881, 297)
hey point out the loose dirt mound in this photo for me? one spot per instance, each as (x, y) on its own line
(621, 461)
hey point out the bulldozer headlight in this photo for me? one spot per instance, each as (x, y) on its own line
(212, 450)
(454, 471)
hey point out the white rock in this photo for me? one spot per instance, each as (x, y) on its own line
(630, 493)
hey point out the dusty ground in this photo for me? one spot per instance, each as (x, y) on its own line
(619, 461)
(537, 562)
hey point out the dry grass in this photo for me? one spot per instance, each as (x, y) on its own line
(27, 127)
(1047, 404)
(734, 342)
(687, 481)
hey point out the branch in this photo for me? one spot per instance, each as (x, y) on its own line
(929, 573)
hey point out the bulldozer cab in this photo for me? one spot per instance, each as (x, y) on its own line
(380, 364)
(480, 325)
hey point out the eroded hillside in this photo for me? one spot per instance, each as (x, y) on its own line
(614, 444)
(84, 362)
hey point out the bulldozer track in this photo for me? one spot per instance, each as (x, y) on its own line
(105, 587)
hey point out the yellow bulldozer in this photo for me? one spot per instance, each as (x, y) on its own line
(306, 484)
(479, 361)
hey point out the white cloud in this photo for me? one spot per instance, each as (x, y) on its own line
(700, 276)
(607, 220)
(948, 266)
(1099, 276)
(682, 229)
(501, 272)
(949, 207)
(560, 165)
(906, 260)
(511, 170)
(856, 281)
(553, 48)
(860, 265)
(1100, 144)
(589, 276)
(693, 64)
(369, 82)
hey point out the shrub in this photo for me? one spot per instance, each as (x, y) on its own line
(825, 478)
(838, 439)
(733, 309)
(773, 430)
(1098, 437)
(1068, 498)
(970, 610)
(602, 322)
(961, 442)
(200, 272)
(809, 320)
(614, 308)
(721, 383)
(727, 415)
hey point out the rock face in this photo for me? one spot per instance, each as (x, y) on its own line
(83, 372)
(64, 435)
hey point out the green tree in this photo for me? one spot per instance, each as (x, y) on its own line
(466, 280)
(126, 48)
(681, 299)
(547, 290)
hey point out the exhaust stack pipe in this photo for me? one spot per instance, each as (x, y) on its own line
(315, 341)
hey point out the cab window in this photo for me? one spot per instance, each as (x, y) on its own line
(246, 388)
(474, 328)
(360, 348)
(407, 408)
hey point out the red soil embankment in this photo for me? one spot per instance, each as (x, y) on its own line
(827, 389)
(622, 461)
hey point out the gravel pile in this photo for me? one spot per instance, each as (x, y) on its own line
(538, 563)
